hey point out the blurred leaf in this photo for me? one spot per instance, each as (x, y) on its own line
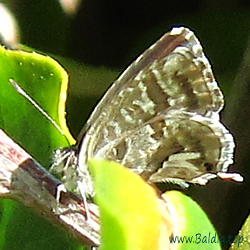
(43, 25)
(241, 241)
(87, 85)
(192, 222)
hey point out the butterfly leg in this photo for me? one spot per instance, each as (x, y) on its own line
(83, 195)
(60, 188)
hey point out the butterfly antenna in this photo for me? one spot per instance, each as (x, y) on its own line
(25, 95)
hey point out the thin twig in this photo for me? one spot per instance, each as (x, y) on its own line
(24, 180)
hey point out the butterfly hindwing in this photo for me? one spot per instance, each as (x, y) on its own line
(177, 146)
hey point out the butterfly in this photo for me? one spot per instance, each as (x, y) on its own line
(160, 119)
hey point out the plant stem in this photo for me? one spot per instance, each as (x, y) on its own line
(24, 180)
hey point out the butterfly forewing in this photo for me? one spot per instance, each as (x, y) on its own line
(165, 104)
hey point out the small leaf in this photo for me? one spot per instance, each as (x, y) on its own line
(129, 208)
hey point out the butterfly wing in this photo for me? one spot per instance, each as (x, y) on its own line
(174, 146)
(172, 75)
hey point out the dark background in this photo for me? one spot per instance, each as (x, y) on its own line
(111, 34)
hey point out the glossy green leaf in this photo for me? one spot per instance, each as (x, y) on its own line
(45, 81)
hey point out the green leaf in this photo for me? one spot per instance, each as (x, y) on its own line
(191, 222)
(131, 217)
(129, 208)
(46, 82)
